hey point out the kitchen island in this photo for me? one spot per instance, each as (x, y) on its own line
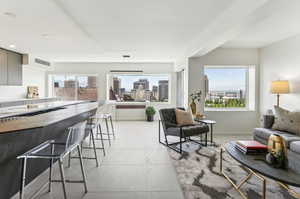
(29, 128)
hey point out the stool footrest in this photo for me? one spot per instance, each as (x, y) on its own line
(69, 181)
(92, 148)
(86, 158)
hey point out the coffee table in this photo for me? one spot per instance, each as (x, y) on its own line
(256, 166)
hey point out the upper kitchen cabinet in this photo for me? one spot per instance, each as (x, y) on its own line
(14, 69)
(3, 67)
(10, 68)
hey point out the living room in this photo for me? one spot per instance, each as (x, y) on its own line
(196, 100)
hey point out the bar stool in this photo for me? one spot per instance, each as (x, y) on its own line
(106, 114)
(53, 150)
(92, 123)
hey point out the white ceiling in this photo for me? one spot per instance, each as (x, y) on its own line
(148, 30)
(279, 20)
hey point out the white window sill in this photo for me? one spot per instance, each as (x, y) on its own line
(133, 102)
(227, 110)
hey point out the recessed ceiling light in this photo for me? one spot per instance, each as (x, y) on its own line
(12, 46)
(46, 36)
(10, 14)
(126, 56)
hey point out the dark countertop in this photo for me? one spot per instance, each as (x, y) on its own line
(48, 118)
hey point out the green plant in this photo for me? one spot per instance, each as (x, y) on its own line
(196, 96)
(150, 111)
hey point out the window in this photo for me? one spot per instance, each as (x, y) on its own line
(229, 87)
(73, 87)
(138, 88)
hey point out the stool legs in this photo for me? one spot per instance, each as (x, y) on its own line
(82, 169)
(23, 177)
(62, 175)
(101, 137)
(94, 146)
(50, 167)
(112, 126)
(107, 130)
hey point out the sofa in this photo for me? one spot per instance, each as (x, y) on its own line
(291, 139)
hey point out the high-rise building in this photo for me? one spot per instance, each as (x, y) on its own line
(148, 95)
(122, 91)
(116, 85)
(241, 94)
(143, 82)
(70, 83)
(92, 82)
(155, 92)
(163, 90)
(206, 85)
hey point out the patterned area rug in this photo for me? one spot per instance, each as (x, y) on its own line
(199, 177)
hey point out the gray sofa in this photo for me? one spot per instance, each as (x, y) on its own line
(291, 139)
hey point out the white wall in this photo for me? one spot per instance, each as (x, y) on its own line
(102, 69)
(280, 60)
(32, 76)
(227, 121)
(183, 64)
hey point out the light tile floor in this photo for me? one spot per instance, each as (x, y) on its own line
(135, 167)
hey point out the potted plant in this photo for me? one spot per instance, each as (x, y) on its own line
(150, 112)
(195, 96)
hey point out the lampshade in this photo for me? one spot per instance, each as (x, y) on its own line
(280, 87)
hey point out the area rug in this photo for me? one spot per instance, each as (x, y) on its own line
(199, 177)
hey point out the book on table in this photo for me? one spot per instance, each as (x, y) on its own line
(251, 147)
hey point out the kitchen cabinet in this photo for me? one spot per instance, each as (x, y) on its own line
(14, 69)
(3, 67)
(10, 68)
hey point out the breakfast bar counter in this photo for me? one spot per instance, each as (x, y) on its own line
(30, 128)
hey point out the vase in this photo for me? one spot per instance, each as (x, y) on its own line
(199, 115)
(193, 107)
(150, 118)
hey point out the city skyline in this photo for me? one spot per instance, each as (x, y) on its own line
(226, 79)
(139, 88)
(127, 81)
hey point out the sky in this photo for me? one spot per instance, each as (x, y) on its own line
(127, 80)
(226, 79)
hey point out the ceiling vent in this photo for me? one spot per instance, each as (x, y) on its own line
(126, 71)
(37, 62)
(43, 62)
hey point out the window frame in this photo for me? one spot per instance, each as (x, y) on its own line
(51, 82)
(110, 75)
(247, 93)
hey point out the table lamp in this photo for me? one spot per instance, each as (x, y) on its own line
(280, 87)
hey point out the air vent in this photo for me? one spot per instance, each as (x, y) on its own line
(126, 71)
(43, 62)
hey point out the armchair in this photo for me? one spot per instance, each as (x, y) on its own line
(184, 132)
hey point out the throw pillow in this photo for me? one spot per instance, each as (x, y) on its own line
(183, 117)
(286, 120)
